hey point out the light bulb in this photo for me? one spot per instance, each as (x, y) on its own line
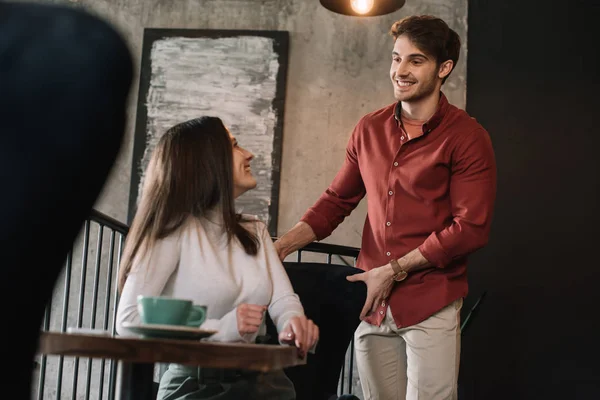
(361, 6)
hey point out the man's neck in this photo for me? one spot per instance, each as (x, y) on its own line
(422, 109)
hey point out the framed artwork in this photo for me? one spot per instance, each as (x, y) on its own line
(236, 75)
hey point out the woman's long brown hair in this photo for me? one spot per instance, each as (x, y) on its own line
(189, 173)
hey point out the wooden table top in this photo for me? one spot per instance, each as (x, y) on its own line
(257, 357)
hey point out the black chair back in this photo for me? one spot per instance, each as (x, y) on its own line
(334, 304)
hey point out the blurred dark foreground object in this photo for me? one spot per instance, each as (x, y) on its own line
(64, 81)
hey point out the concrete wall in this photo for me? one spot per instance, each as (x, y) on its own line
(338, 71)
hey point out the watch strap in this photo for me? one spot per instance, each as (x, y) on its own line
(399, 273)
(396, 267)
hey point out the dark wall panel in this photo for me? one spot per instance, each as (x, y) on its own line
(532, 81)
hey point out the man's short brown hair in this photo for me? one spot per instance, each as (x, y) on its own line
(431, 35)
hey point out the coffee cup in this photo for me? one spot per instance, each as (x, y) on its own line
(165, 310)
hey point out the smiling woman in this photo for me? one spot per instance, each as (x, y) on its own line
(243, 180)
(186, 241)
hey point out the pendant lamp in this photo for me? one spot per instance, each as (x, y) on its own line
(363, 8)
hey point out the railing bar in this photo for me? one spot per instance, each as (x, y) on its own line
(299, 256)
(329, 258)
(317, 247)
(84, 255)
(47, 315)
(67, 289)
(116, 298)
(42, 378)
(343, 260)
(112, 375)
(111, 252)
(109, 222)
(342, 377)
(340, 250)
(109, 279)
(88, 379)
(65, 315)
(96, 276)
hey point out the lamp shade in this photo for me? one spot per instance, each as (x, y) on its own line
(363, 8)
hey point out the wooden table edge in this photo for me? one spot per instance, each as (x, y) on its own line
(257, 357)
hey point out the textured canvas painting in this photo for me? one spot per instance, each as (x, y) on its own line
(238, 76)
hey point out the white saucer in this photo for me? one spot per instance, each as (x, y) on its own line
(167, 331)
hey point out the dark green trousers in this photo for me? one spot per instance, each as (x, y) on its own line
(181, 382)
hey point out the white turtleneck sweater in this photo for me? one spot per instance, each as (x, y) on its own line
(196, 263)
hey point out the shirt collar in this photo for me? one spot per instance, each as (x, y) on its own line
(434, 121)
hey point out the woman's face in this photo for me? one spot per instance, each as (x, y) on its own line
(243, 180)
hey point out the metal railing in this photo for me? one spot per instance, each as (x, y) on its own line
(93, 305)
(87, 297)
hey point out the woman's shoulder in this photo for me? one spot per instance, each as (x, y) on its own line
(252, 221)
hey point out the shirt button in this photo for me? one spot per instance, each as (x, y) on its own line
(388, 223)
(395, 164)
(388, 254)
(383, 304)
(402, 137)
(390, 193)
(381, 312)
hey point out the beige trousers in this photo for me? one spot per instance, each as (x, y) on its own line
(419, 362)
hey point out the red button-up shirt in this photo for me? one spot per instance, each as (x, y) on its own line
(435, 192)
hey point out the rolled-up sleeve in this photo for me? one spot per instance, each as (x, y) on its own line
(472, 196)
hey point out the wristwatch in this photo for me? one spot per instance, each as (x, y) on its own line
(399, 273)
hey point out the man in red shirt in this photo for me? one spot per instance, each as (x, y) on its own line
(429, 171)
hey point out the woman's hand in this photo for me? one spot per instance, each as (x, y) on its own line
(249, 318)
(300, 332)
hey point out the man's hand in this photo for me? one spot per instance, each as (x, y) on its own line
(280, 250)
(300, 332)
(297, 237)
(249, 318)
(379, 285)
